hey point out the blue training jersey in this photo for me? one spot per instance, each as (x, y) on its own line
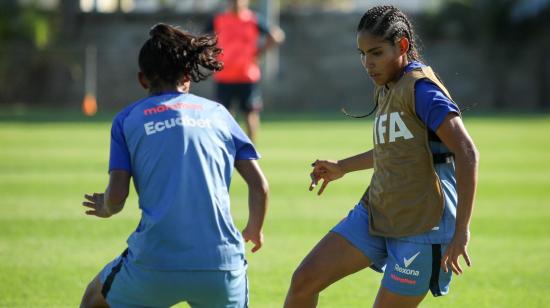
(180, 150)
(432, 106)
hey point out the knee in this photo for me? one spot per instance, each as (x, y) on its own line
(88, 297)
(92, 297)
(304, 281)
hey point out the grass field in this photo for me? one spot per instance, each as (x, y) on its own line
(49, 250)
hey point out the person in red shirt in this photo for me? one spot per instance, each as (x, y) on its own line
(239, 32)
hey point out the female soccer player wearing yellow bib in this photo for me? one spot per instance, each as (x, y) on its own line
(412, 223)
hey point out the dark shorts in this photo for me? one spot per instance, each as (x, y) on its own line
(409, 268)
(247, 95)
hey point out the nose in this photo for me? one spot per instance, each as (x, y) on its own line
(366, 63)
(369, 64)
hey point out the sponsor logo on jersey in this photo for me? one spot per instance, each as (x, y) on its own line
(159, 126)
(402, 280)
(410, 260)
(166, 107)
(406, 271)
(395, 128)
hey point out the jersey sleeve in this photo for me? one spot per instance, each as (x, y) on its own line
(119, 158)
(245, 150)
(432, 105)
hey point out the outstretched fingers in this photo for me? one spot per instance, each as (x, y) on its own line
(323, 186)
(91, 203)
(451, 260)
(94, 204)
(320, 171)
(90, 197)
(314, 181)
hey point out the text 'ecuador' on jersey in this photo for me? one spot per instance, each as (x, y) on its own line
(181, 150)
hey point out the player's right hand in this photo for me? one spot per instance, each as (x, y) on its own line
(96, 205)
(326, 170)
(253, 235)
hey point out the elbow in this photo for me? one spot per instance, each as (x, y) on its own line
(471, 155)
(280, 39)
(264, 189)
(474, 156)
(467, 156)
(261, 189)
(278, 36)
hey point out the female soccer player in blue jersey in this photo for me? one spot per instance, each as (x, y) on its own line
(180, 150)
(413, 221)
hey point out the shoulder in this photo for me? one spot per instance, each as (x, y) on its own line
(261, 22)
(207, 105)
(250, 15)
(427, 92)
(202, 100)
(124, 113)
(218, 19)
(425, 85)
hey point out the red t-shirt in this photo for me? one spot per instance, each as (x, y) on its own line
(238, 36)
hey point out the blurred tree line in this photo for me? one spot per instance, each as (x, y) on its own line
(31, 37)
(26, 25)
(502, 28)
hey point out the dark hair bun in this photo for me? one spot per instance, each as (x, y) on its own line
(170, 54)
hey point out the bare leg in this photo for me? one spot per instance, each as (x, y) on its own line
(92, 296)
(252, 124)
(332, 259)
(388, 299)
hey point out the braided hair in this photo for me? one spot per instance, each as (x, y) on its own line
(170, 54)
(390, 23)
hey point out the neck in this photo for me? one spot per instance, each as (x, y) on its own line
(237, 10)
(164, 89)
(403, 63)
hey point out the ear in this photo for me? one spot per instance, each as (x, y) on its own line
(143, 80)
(185, 82)
(404, 46)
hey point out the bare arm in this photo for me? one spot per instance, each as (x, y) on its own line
(257, 200)
(111, 202)
(329, 170)
(358, 162)
(454, 135)
(274, 37)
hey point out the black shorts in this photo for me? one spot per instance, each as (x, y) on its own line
(248, 95)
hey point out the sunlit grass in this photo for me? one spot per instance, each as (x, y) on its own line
(49, 250)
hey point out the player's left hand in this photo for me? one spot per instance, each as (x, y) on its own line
(96, 205)
(255, 236)
(456, 248)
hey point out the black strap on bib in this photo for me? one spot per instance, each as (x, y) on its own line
(443, 158)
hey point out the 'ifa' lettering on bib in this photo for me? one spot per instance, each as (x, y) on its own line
(396, 128)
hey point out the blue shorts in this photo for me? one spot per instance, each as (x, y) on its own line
(247, 95)
(128, 285)
(409, 268)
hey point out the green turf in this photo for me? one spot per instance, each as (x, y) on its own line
(49, 250)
